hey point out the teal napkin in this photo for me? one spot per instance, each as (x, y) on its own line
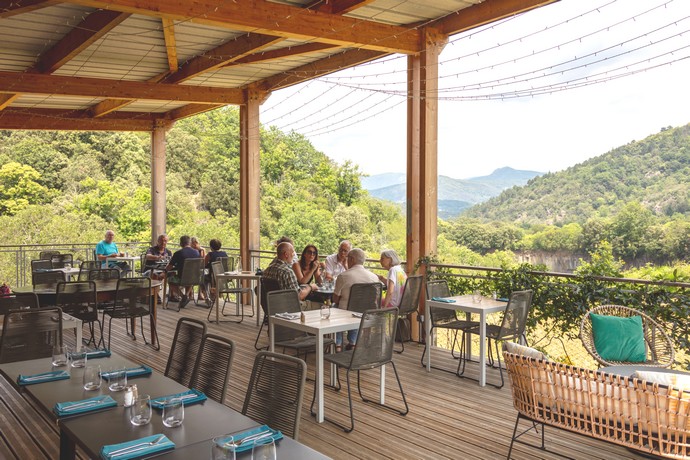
(98, 354)
(137, 448)
(188, 397)
(503, 299)
(443, 299)
(274, 434)
(40, 378)
(85, 405)
(131, 372)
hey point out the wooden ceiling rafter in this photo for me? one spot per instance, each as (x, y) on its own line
(170, 43)
(74, 120)
(10, 8)
(341, 6)
(299, 50)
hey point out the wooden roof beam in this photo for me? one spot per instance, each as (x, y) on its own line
(341, 6)
(276, 19)
(13, 7)
(284, 52)
(13, 82)
(170, 43)
(70, 120)
(189, 110)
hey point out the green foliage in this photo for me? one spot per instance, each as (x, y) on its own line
(20, 187)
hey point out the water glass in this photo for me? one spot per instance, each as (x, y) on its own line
(476, 296)
(60, 356)
(78, 356)
(117, 379)
(264, 449)
(92, 377)
(325, 311)
(173, 412)
(222, 448)
(141, 411)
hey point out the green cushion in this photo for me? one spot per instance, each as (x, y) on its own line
(619, 339)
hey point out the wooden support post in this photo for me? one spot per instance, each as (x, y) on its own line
(158, 213)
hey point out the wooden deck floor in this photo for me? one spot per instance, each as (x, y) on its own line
(449, 417)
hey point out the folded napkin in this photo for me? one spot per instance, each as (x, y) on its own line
(443, 299)
(286, 315)
(85, 405)
(131, 372)
(270, 433)
(503, 299)
(40, 378)
(137, 448)
(98, 354)
(188, 397)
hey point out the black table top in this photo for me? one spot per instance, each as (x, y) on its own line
(286, 449)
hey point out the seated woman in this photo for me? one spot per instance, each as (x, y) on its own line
(202, 253)
(211, 256)
(307, 268)
(395, 280)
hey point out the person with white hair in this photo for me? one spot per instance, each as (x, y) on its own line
(394, 281)
(107, 248)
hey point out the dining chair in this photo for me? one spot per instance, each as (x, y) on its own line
(226, 288)
(48, 277)
(364, 296)
(443, 318)
(104, 274)
(192, 275)
(275, 392)
(212, 367)
(30, 334)
(79, 299)
(47, 255)
(18, 301)
(375, 342)
(133, 300)
(408, 305)
(511, 328)
(185, 350)
(41, 264)
(267, 285)
(86, 267)
(60, 260)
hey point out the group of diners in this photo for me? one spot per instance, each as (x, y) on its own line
(345, 267)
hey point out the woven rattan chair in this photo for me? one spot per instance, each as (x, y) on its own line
(185, 350)
(18, 301)
(79, 299)
(275, 392)
(375, 341)
(364, 296)
(660, 352)
(212, 367)
(60, 260)
(443, 318)
(267, 285)
(132, 300)
(512, 328)
(226, 288)
(86, 267)
(408, 305)
(30, 334)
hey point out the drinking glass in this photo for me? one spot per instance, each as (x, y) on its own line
(222, 448)
(92, 377)
(476, 296)
(325, 311)
(173, 412)
(60, 357)
(141, 411)
(264, 449)
(117, 379)
(78, 356)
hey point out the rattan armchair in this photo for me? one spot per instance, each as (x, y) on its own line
(660, 352)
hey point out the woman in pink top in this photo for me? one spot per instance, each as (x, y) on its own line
(394, 281)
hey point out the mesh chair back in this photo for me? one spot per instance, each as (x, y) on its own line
(192, 272)
(364, 296)
(212, 367)
(55, 277)
(78, 298)
(439, 288)
(132, 298)
(47, 255)
(59, 260)
(30, 334)
(275, 392)
(267, 285)
(218, 269)
(86, 267)
(104, 274)
(410, 295)
(515, 315)
(41, 264)
(283, 301)
(185, 350)
(17, 301)
(375, 339)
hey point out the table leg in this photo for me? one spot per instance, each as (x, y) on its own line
(382, 382)
(78, 332)
(259, 310)
(319, 377)
(67, 447)
(482, 349)
(165, 289)
(468, 339)
(217, 305)
(429, 341)
(271, 330)
(153, 318)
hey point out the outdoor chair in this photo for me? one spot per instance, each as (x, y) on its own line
(227, 288)
(275, 392)
(192, 275)
(185, 350)
(104, 274)
(212, 368)
(442, 318)
(41, 265)
(408, 304)
(133, 300)
(657, 348)
(512, 328)
(267, 285)
(60, 260)
(364, 296)
(18, 301)
(48, 277)
(47, 255)
(79, 299)
(30, 334)
(86, 267)
(375, 341)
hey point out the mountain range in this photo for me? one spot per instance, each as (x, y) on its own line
(454, 195)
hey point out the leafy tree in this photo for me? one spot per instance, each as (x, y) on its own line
(20, 187)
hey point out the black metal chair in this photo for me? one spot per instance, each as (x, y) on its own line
(512, 327)
(227, 288)
(18, 301)
(192, 275)
(267, 285)
(79, 299)
(185, 350)
(41, 265)
(408, 305)
(133, 300)
(375, 341)
(60, 260)
(86, 267)
(364, 296)
(104, 274)
(442, 318)
(212, 367)
(275, 392)
(47, 277)
(30, 334)
(47, 255)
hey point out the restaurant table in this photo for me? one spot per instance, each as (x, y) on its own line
(68, 322)
(240, 276)
(131, 260)
(339, 321)
(466, 304)
(320, 295)
(286, 449)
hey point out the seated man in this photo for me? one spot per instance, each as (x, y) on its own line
(280, 270)
(341, 294)
(108, 248)
(177, 292)
(337, 263)
(155, 256)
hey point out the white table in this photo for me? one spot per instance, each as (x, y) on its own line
(339, 321)
(466, 304)
(70, 322)
(240, 276)
(131, 260)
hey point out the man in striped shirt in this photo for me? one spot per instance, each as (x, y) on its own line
(280, 269)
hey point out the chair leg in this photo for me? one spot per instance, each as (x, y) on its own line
(402, 393)
(402, 342)
(258, 336)
(463, 358)
(512, 440)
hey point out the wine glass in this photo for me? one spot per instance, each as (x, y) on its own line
(264, 449)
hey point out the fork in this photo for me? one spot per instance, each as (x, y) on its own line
(251, 437)
(136, 447)
(84, 403)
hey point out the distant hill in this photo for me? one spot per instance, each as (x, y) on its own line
(654, 172)
(454, 195)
